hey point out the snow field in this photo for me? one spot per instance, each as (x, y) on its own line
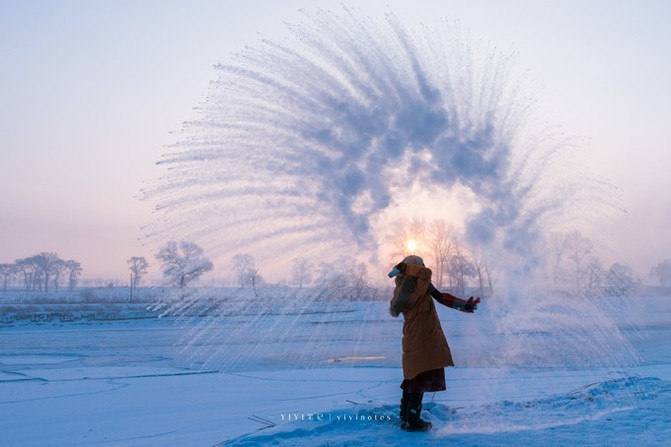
(139, 382)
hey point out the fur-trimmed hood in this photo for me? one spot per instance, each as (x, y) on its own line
(405, 285)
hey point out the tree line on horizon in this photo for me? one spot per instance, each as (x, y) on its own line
(457, 268)
(42, 272)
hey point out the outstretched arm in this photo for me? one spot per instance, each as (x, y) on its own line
(453, 302)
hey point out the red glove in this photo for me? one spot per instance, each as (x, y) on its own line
(471, 304)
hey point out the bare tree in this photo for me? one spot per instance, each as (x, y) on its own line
(346, 279)
(302, 272)
(183, 262)
(59, 270)
(557, 242)
(482, 273)
(435, 241)
(48, 266)
(460, 268)
(138, 266)
(595, 276)
(441, 241)
(620, 280)
(489, 279)
(662, 272)
(73, 269)
(332, 281)
(408, 231)
(7, 272)
(248, 274)
(27, 268)
(357, 285)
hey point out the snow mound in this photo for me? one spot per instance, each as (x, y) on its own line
(371, 425)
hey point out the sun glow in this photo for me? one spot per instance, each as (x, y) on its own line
(411, 245)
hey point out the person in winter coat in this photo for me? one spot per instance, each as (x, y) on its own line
(425, 349)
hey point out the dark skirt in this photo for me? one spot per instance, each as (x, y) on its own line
(426, 382)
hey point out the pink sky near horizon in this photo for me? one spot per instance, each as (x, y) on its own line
(91, 91)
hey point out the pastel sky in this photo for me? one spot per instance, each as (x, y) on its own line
(90, 92)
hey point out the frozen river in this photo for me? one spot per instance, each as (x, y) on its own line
(317, 378)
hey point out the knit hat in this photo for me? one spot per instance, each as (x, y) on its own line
(413, 260)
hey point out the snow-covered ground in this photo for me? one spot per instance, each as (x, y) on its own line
(320, 378)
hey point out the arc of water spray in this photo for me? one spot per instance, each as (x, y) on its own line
(302, 143)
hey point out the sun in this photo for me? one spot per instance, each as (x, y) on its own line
(411, 245)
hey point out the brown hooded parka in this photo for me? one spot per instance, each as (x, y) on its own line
(424, 344)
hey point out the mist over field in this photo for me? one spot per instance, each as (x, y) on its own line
(249, 303)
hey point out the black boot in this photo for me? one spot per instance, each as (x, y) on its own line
(403, 414)
(414, 421)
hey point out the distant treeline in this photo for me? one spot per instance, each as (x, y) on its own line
(42, 272)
